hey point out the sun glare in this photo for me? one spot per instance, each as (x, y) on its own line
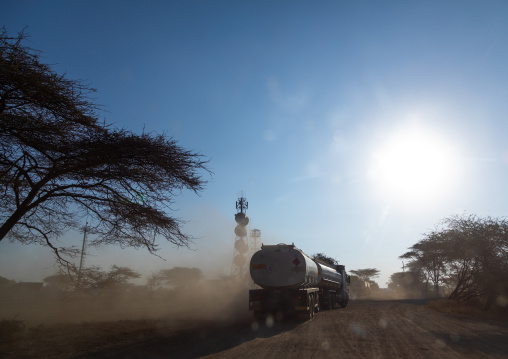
(414, 164)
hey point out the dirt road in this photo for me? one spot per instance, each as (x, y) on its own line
(366, 329)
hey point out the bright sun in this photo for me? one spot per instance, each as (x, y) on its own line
(414, 164)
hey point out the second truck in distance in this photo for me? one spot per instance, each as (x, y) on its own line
(294, 283)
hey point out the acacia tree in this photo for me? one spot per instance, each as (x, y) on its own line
(59, 163)
(154, 283)
(408, 283)
(469, 254)
(321, 257)
(92, 280)
(428, 256)
(479, 252)
(366, 274)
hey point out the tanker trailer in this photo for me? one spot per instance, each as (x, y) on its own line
(293, 283)
(333, 288)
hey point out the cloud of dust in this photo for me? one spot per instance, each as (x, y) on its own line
(224, 300)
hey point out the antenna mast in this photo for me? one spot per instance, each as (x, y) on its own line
(241, 245)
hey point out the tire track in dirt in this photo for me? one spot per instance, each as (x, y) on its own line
(381, 329)
(366, 329)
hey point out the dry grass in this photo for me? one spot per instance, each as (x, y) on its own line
(448, 306)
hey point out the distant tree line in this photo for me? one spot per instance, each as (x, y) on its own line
(467, 255)
(92, 280)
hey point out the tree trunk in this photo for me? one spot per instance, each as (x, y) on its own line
(22, 209)
(11, 222)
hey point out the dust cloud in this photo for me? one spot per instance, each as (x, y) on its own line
(217, 300)
(209, 298)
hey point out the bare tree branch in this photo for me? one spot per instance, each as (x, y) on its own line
(59, 163)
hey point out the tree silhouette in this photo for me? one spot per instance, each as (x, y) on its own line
(59, 163)
(366, 274)
(325, 259)
(428, 256)
(92, 280)
(408, 283)
(468, 253)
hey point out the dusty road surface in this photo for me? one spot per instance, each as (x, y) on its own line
(366, 329)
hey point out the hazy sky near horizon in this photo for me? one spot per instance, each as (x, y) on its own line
(351, 127)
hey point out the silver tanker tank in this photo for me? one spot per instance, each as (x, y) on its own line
(285, 266)
(328, 277)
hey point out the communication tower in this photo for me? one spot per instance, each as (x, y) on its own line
(254, 241)
(241, 244)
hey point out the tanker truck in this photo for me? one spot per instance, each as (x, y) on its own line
(293, 283)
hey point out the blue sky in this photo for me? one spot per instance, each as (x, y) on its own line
(351, 127)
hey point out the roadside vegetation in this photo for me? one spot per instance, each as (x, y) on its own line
(450, 306)
(465, 259)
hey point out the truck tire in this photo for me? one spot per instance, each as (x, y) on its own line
(344, 301)
(309, 313)
(311, 307)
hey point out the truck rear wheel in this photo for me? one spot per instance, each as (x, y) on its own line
(311, 307)
(344, 301)
(309, 314)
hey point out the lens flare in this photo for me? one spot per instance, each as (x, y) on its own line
(414, 163)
